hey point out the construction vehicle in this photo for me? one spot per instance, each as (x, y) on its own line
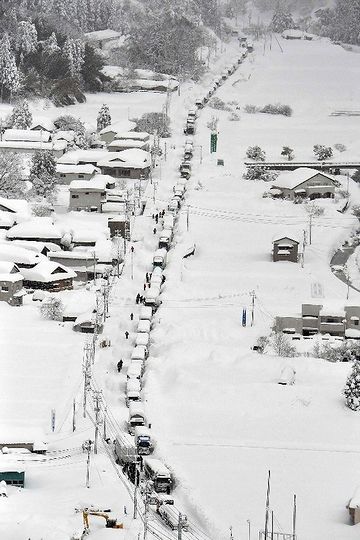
(110, 523)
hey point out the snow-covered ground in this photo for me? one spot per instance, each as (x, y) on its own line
(220, 419)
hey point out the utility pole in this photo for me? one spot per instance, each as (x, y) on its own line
(310, 228)
(135, 493)
(188, 218)
(94, 263)
(97, 400)
(132, 249)
(303, 249)
(165, 151)
(104, 424)
(180, 526)
(146, 512)
(73, 417)
(252, 294)
(87, 447)
(347, 185)
(249, 528)
(87, 362)
(105, 292)
(294, 520)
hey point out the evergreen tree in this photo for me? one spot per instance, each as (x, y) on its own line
(9, 75)
(74, 52)
(282, 20)
(43, 174)
(50, 46)
(352, 387)
(103, 118)
(322, 152)
(26, 39)
(21, 117)
(287, 152)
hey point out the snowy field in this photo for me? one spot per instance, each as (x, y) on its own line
(227, 422)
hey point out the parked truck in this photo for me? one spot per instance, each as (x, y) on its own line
(172, 517)
(125, 450)
(160, 475)
(136, 417)
(143, 440)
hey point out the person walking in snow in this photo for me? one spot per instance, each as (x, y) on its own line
(154, 230)
(119, 365)
(144, 286)
(131, 316)
(137, 300)
(127, 335)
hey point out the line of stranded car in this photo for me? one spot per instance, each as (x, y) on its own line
(132, 450)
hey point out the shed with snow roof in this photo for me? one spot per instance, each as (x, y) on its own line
(305, 182)
(13, 475)
(285, 248)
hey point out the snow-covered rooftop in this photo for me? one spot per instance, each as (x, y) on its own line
(19, 206)
(76, 169)
(47, 271)
(7, 267)
(67, 136)
(99, 35)
(7, 219)
(36, 246)
(132, 157)
(34, 145)
(126, 143)
(88, 185)
(19, 255)
(87, 156)
(136, 135)
(38, 227)
(294, 178)
(42, 123)
(118, 127)
(26, 135)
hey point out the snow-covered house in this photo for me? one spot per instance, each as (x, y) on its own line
(305, 183)
(132, 163)
(285, 248)
(117, 145)
(68, 173)
(39, 229)
(83, 263)
(334, 319)
(7, 220)
(23, 258)
(15, 206)
(43, 124)
(38, 247)
(11, 284)
(64, 135)
(82, 157)
(49, 276)
(87, 195)
(104, 39)
(29, 141)
(108, 133)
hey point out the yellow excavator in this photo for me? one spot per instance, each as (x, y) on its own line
(110, 523)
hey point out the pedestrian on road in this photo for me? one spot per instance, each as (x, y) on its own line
(147, 277)
(119, 365)
(157, 218)
(144, 286)
(131, 316)
(127, 334)
(137, 300)
(149, 285)
(154, 230)
(153, 216)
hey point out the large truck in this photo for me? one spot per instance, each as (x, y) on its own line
(159, 258)
(143, 440)
(160, 475)
(125, 450)
(132, 392)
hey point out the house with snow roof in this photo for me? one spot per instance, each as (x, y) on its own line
(87, 195)
(43, 124)
(48, 276)
(304, 183)
(108, 133)
(15, 206)
(82, 157)
(29, 141)
(23, 258)
(7, 220)
(11, 284)
(117, 145)
(104, 39)
(83, 263)
(132, 163)
(327, 318)
(68, 173)
(38, 229)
